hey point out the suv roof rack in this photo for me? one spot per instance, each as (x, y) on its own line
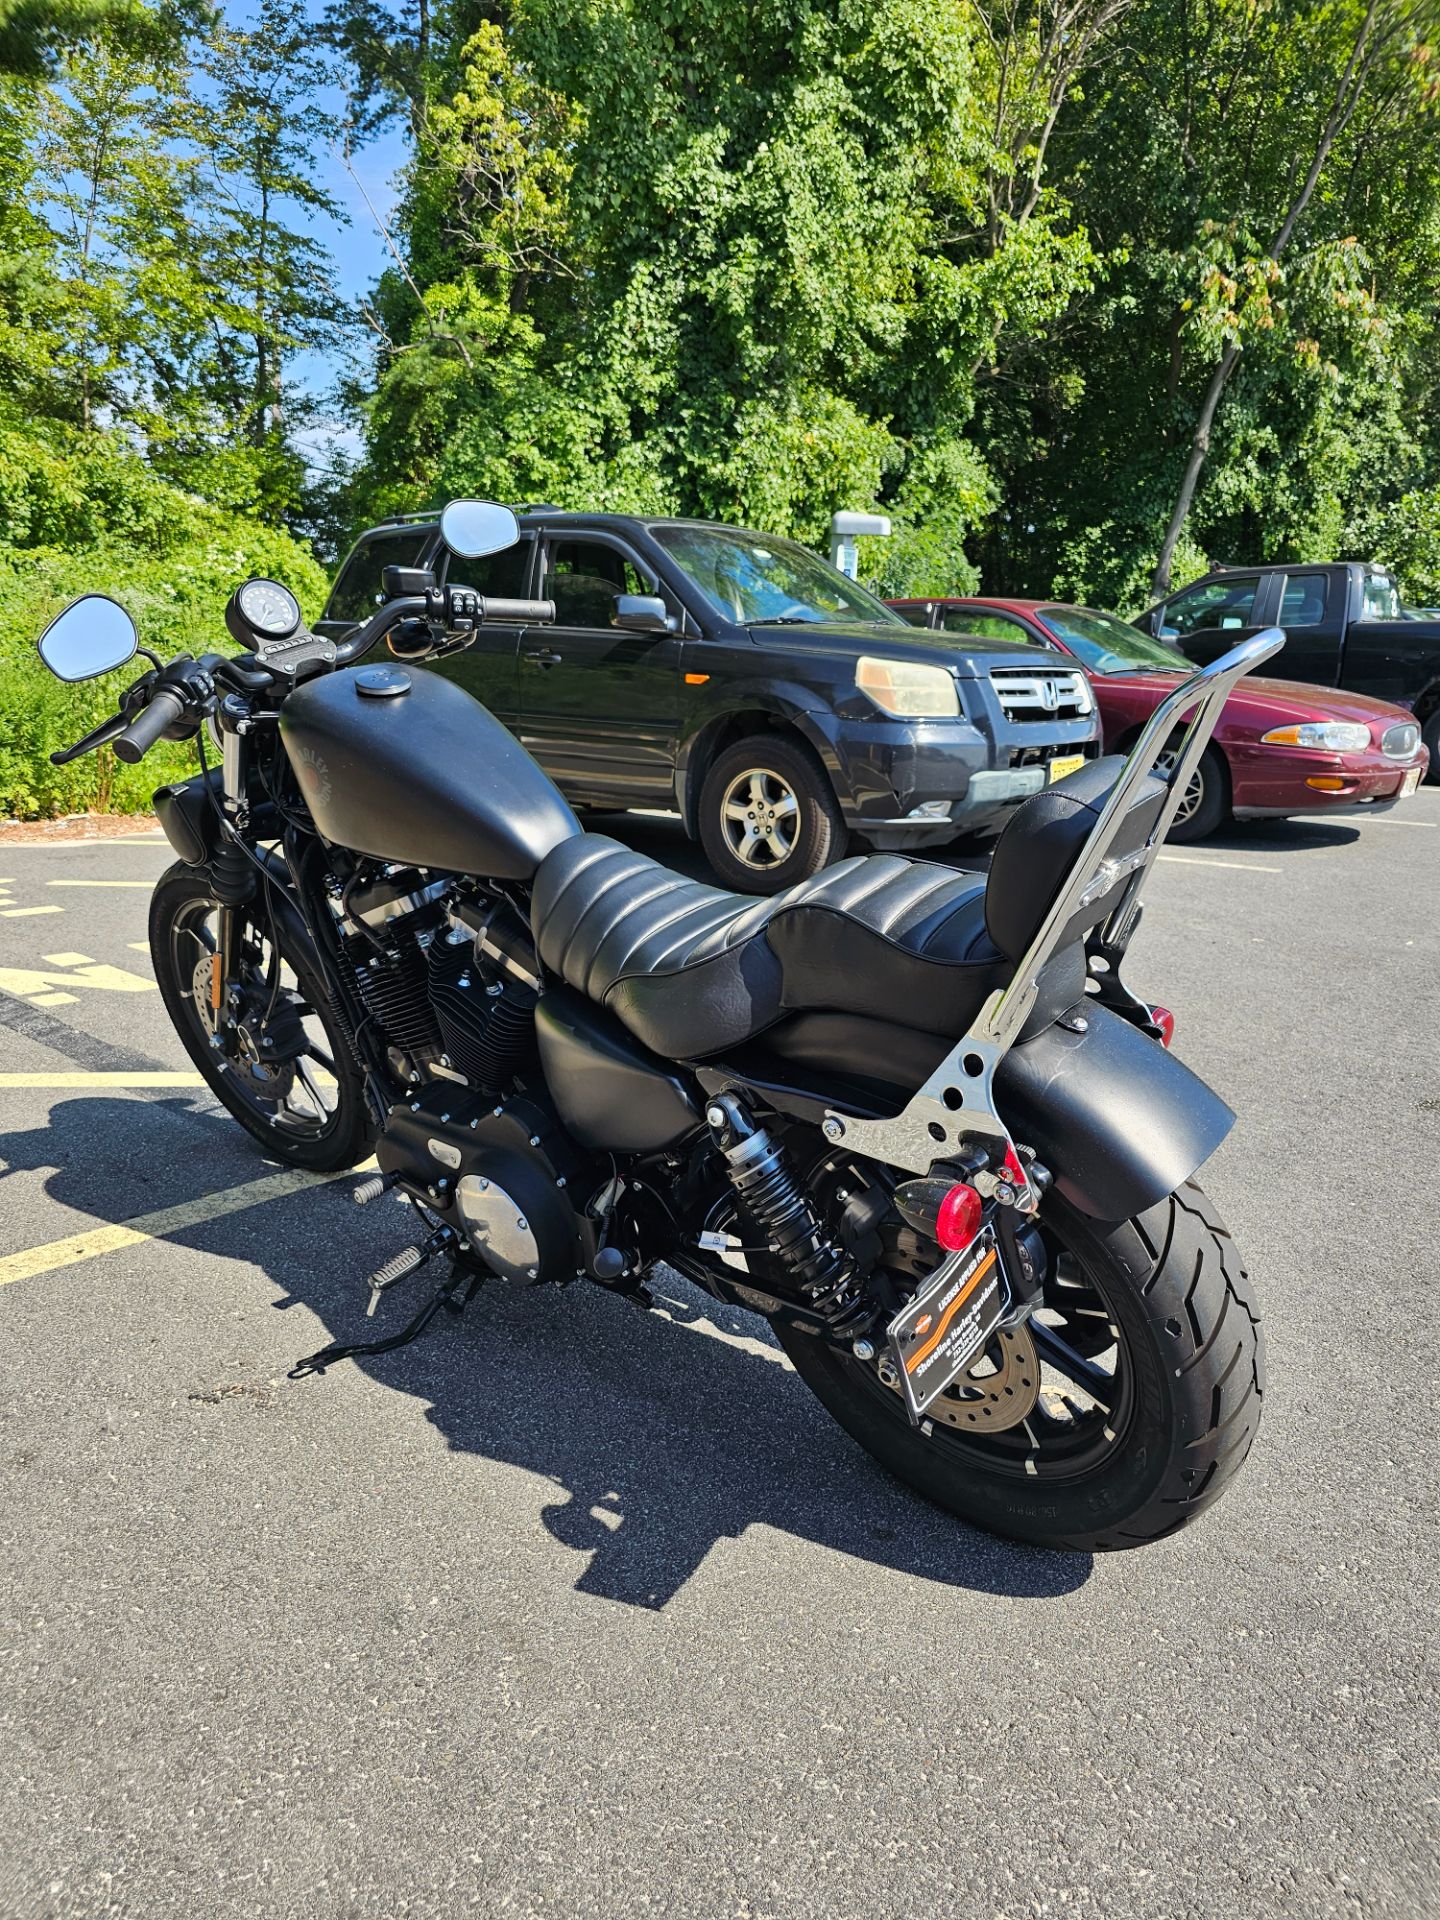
(400, 519)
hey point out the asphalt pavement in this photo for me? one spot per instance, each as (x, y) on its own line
(572, 1610)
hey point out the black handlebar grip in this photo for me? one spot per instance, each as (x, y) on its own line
(530, 613)
(146, 728)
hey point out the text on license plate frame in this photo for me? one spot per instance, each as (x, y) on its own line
(1065, 763)
(940, 1332)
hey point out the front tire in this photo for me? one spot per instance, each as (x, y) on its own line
(768, 815)
(1182, 1411)
(308, 1111)
(1206, 806)
(1430, 734)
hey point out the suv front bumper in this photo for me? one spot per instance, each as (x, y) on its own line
(936, 778)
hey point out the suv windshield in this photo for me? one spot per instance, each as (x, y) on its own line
(1104, 644)
(752, 580)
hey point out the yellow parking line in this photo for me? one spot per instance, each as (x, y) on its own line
(147, 885)
(27, 913)
(113, 1081)
(34, 1261)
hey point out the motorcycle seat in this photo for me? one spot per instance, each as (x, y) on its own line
(693, 971)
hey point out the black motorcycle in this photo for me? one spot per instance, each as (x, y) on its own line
(910, 1115)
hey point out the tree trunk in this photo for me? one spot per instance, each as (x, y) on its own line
(1347, 98)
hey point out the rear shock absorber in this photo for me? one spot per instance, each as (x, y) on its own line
(770, 1195)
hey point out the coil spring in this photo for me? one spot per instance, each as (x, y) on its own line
(770, 1194)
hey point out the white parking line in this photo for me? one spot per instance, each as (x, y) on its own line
(1236, 866)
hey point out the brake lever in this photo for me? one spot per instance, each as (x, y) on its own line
(100, 736)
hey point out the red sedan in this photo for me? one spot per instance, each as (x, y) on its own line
(1280, 747)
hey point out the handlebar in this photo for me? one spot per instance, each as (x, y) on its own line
(436, 606)
(145, 729)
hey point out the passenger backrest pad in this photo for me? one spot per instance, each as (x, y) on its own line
(1041, 843)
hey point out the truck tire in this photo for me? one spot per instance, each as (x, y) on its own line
(768, 815)
(1430, 734)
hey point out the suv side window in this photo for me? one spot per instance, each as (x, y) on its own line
(583, 577)
(356, 593)
(501, 574)
(984, 626)
(1214, 603)
(1305, 600)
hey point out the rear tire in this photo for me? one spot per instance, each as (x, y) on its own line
(768, 815)
(1188, 1325)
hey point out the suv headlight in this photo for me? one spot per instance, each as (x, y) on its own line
(1329, 736)
(908, 690)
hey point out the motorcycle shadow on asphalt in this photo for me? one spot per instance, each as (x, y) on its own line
(664, 1433)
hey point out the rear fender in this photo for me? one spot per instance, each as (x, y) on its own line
(1118, 1120)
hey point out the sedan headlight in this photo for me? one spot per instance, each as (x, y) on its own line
(1328, 736)
(1401, 740)
(907, 689)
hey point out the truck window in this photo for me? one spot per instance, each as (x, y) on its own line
(356, 593)
(1305, 600)
(501, 575)
(1380, 598)
(1214, 603)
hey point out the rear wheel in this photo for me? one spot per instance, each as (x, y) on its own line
(768, 815)
(1122, 1410)
(280, 1061)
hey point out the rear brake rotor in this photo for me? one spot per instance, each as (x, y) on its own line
(1001, 1388)
(997, 1392)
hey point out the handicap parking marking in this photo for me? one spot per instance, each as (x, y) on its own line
(51, 986)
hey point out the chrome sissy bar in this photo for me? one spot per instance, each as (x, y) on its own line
(958, 1099)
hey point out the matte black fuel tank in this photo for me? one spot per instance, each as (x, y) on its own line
(402, 765)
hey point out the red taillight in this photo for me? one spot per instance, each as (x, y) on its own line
(958, 1220)
(1165, 1021)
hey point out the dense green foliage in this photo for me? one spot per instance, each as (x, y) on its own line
(1080, 292)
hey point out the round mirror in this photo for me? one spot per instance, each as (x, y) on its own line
(473, 527)
(93, 635)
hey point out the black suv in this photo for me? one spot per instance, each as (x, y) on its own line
(746, 683)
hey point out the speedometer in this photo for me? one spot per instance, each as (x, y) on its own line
(262, 610)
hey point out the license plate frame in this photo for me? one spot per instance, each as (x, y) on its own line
(1063, 765)
(938, 1333)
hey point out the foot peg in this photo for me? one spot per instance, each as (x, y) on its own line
(373, 1188)
(394, 1270)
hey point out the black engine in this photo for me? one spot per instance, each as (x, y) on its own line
(451, 982)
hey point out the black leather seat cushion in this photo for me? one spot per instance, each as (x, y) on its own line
(691, 970)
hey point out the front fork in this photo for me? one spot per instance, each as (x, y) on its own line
(231, 869)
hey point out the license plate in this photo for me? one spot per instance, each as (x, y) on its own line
(1065, 763)
(939, 1333)
(1409, 784)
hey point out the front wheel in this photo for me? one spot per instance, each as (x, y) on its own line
(768, 815)
(279, 1060)
(1137, 1386)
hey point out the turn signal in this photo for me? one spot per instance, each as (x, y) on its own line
(1165, 1021)
(958, 1221)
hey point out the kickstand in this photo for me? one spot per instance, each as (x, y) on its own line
(456, 1294)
